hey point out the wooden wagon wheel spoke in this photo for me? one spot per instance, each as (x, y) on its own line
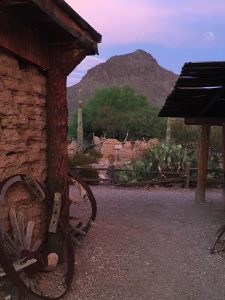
(83, 208)
(23, 257)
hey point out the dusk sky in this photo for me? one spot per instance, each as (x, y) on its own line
(172, 31)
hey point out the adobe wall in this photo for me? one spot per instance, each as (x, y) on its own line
(23, 140)
(22, 119)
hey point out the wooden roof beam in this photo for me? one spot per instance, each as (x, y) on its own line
(202, 121)
(13, 2)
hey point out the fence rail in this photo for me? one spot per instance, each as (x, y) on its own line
(189, 175)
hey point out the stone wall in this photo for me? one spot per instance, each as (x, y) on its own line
(22, 119)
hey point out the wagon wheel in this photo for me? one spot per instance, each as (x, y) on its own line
(219, 244)
(83, 208)
(23, 258)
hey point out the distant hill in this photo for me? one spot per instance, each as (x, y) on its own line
(138, 70)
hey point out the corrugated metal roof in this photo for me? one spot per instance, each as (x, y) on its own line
(198, 92)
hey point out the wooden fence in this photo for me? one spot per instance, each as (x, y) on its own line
(188, 176)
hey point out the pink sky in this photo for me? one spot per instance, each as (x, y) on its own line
(172, 31)
(123, 21)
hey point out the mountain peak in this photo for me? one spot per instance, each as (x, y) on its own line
(143, 54)
(138, 69)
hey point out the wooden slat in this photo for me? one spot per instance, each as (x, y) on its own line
(200, 84)
(60, 17)
(206, 64)
(210, 103)
(15, 227)
(22, 41)
(196, 91)
(55, 213)
(18, 266)
(215, 72)
(212, 81)
(29, 233)
(201, 121)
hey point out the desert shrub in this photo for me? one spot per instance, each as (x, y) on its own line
(94, 155)
(84, 161)
(156, 160)
(79, 160)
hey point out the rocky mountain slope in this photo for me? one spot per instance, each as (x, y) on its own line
(138, 70)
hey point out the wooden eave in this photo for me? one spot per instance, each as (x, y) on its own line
(28, 28)
(199, 93)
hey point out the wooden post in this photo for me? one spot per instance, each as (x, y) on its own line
(61, 63)
(223, 150)
(57, 128)
(202, 165)
(112, 174)
(57, 179)
(187, 175)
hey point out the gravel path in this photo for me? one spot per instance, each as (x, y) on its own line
(150, 245)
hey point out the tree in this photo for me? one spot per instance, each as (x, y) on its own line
(114, 111)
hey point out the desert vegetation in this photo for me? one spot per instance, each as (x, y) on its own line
(115, 111)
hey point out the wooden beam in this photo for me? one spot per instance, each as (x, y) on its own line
(60, 17)
(13, 2)
(202, 165)
(22, 41)
(223, 151)
(206, 121)
(71, 59)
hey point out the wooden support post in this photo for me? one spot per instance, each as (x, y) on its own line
(57, 128)
(223, 150)
(61, 62)
(57, 181)
(202, 165)
(187, 175)
(112, 174)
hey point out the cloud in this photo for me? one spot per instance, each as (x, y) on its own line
(208, 37)
(88, 63)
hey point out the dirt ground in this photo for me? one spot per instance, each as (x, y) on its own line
(151, 244)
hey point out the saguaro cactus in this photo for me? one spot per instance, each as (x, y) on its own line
(80, 134)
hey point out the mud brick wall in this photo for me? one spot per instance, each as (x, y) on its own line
(22, 119)
(23, 138)
(128, 150)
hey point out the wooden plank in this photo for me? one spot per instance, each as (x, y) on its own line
(60, 17)
(29, 233)
(55, 213)
(22, 41)
(15, 227)
(210, 104)
(19, 266)
(199, 84)
(207, 64)
(194, 92)
(202, 165)
(211, 81)
(214, 72)
(202, 120)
